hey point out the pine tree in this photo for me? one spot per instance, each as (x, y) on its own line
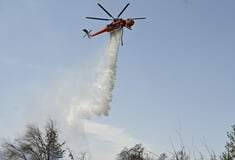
(229, 154)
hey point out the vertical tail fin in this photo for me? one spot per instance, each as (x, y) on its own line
(87, 33)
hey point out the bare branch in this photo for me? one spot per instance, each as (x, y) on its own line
(35, 146)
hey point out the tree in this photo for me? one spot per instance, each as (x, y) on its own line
(180, 155)
(162, 156)
(135, 153)
(229, 154)
(34, 145)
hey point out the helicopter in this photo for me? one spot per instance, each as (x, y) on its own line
(117, 23)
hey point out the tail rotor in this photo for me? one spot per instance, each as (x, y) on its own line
(87, 33)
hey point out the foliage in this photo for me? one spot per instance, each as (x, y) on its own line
(138, 152)
(35, 146)
(229, 154)
(180, 155)
(162, 156)
(135, 153)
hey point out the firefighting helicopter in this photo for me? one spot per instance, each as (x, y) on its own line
(116, 23)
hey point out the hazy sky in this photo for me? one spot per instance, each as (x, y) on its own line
(175, 72)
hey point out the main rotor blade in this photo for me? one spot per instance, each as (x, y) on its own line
(105, 10)
(103, 19)
(123, 10)
(138, 18)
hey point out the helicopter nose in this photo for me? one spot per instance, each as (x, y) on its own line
(131, 22)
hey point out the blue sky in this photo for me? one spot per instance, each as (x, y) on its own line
(174, 72)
